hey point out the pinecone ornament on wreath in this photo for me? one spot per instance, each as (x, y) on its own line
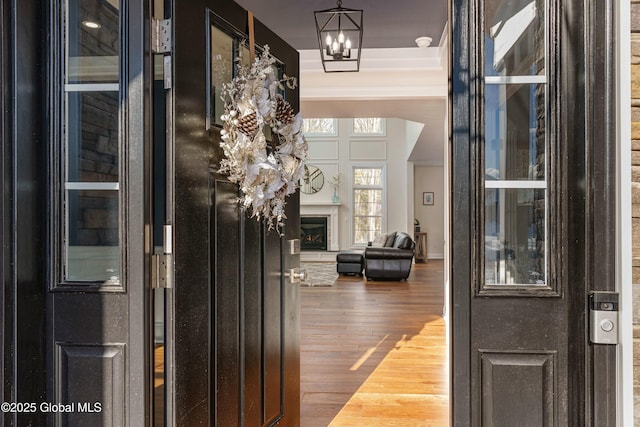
(284, 112)
(248, 125)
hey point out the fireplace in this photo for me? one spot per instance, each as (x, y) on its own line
(313, 233)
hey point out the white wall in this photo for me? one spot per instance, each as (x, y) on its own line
(342, 152)
(431, 217)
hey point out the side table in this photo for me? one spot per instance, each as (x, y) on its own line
(421, 247)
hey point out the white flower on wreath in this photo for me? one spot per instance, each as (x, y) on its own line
(266, 172)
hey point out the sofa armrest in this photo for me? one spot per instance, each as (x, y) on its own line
(387, 253)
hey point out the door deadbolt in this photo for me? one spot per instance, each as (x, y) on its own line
(296, 275)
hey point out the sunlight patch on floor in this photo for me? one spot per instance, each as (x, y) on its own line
(408, 388)
(367, 354)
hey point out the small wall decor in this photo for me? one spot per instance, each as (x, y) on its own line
(427, 198)
(266, 171)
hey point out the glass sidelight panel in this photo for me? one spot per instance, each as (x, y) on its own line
(515, 132)
(92, 41)
(515, 236)
(90, 169)
(516, 142)
(514, 37)
(92, 137)
(92, 224)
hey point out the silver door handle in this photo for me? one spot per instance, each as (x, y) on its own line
(296, 275)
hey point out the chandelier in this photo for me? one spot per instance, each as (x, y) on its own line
(339, 38)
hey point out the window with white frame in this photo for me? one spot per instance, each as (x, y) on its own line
(368, 126)
(316, 126)
(368, 207)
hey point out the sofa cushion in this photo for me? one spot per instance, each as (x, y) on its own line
(403, 241)
(387, 253)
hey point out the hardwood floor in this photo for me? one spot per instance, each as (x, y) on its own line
(374, 353)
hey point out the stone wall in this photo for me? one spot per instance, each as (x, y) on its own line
(635, 165)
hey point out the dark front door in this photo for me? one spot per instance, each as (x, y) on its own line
(533, 161)
(233, 331)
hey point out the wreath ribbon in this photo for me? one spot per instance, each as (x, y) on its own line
(252, 37)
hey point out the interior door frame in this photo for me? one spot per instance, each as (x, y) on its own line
(463, 91)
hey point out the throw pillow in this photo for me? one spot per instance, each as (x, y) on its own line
(391, 237)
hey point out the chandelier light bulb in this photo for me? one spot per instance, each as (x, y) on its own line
(328, 40)
(335, 46)
(340, 37)
(347, 44)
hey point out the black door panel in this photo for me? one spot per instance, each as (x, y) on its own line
(236, 317)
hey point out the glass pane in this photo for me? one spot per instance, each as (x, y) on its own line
(319, 126)
(92, 236)
(366, 229)
(367, 202)
(93, 41)
(221, 69)
(368, 125)
(515, 236)
(515, 118)
(244, 56)
(367, 176)
(514, 37)
(92, 137)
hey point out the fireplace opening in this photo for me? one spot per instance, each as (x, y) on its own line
(313, 233)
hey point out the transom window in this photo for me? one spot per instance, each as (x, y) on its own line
(320, 126)
(515, 142)
(368, 203)
(368, 126)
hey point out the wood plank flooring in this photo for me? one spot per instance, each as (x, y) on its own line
(374, 353)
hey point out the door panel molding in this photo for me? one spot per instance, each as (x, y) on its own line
(78, 364)
(504, 399)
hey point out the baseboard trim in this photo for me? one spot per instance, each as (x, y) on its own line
(324, 256)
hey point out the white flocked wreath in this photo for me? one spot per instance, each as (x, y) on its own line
(266, 171)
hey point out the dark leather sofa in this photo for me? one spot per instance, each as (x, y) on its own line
(389, 257)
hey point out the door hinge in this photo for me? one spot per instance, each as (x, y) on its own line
(162, 264)
(161, 36)
(162, 271)
(166, 70)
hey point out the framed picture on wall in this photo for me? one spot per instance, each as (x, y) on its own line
(427, 198)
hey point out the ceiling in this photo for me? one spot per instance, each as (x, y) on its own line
(387, 24)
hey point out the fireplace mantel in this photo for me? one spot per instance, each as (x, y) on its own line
(330, 210)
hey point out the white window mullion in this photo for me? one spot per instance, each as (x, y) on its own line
(92, 186)
(92, 87)
(515, 184)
